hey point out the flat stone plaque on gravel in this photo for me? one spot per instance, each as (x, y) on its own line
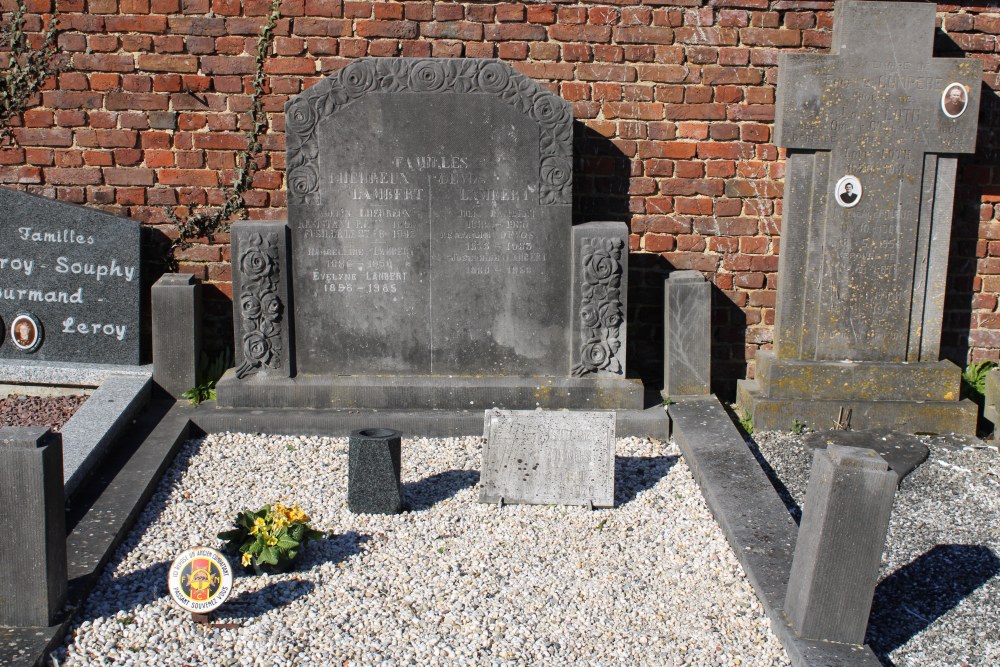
(549, 458)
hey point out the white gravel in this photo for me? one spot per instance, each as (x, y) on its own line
(453, 582)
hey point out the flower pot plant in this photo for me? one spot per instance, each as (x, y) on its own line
(269, 540)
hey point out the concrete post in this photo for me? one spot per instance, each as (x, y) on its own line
(176, 300)
(33, 524)
(840, 543)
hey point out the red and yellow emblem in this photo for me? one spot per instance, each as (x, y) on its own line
(200, 580)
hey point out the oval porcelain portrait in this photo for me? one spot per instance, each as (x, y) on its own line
(26, 332)
(847, 192)
(954, 100)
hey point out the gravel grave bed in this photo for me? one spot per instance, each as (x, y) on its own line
(54, 411)
(452, 582)
(938, 599)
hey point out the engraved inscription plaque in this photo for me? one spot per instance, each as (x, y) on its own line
(429, 207)
(548, 457)
(70, 282)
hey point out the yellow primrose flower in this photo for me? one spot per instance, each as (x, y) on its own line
(280, 521)
(258, 525)
(271, 541)
(245, 560)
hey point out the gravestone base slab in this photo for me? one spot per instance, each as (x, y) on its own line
(430, 392)
(778, 414)
(651, 422)
(867, 380)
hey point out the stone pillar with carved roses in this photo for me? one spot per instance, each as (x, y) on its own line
(600, 287)
(260, 299)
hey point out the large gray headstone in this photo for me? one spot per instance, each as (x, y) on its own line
(875, 110)
(548, 457)
(430, 211)
(75, 272)
(872, 130)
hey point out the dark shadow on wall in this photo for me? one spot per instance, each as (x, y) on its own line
(601, 192)
(977, 177)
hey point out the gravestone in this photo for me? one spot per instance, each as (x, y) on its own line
(429, 260)
(687, 334)
(549, 457)
(872, 132)
(839, 547)
(70, 282)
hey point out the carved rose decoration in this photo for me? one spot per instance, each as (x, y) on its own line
(601, 310)
(428, 76)
(389, 75)
(359, 78)
(260, 306)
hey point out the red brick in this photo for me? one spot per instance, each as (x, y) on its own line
(452, 30)
(596, 72)
(156, 62)
(205, 178)
(644, 35)
(228, 65)
(771, 37)
(580, 33)
(149, 24)
(395, 29)
(73, 176)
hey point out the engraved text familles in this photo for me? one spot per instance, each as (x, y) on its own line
(41, 268)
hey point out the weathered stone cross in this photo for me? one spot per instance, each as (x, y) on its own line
(866, 282)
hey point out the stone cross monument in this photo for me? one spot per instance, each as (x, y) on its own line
(872, 131)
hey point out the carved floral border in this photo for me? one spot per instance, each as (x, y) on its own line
(601, 313)
(428, 75)
(260, 306)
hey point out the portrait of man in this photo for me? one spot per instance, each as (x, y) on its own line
(954, 100)
(25, 331)
(847, 192)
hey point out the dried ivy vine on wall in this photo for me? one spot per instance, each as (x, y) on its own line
(27, 70)
(206, 224)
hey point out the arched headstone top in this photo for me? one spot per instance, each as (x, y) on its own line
(553, 115)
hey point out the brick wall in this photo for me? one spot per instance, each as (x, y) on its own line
(675, 101)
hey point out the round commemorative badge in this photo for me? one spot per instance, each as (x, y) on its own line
(200, 580)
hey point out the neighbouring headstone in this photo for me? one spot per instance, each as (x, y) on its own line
(901, 451)
(687, 334)
(373, 471)
(33, 550)
(839, 548)
(176, 307)
(872, 134)
(991, 401)
(431, 260)
(70, 282)
(549, 457)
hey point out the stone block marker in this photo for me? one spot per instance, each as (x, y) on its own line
(687, 334)
(373, 471)
(33, 550)
(839, 547)
(176, 301)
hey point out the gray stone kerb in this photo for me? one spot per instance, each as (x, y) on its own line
(754, 521)
(122, 392)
